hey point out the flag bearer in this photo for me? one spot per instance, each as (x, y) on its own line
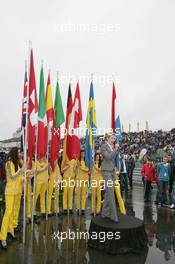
(118, 193)
(55, 180)
(96, 185)
(69, 173)
(30, 175)
(82, 179)
(14, 176)
(40, 189)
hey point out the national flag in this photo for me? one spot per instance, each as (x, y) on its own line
(115, 121)
(66, 145)
(24, 111)
(76, 118)
(24, 102)
(49, 102)
(42, 120)
(113, 112)
(58, 121)
(115, 117)
(32, 111)
(91, 130)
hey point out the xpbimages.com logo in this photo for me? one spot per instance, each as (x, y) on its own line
(72, 183)
(72, 235)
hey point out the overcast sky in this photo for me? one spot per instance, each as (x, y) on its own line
(130, 41)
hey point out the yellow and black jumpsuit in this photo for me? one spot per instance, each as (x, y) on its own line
(18, 201)
(96, 186)
(12, 196)
(55, 179)
(118, 194)
(40, 189)
(82, 179)
(69, 173)
(29, 190)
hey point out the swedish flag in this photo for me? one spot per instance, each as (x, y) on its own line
(91, 128)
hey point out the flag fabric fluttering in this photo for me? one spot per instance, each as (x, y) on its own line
(58, 121)
(49, 102)
(24, 111)
(115, 122)
(42, 120)
(76, 118)
(113, 112)
(115, 117)
(91, 130)
(32, 111)
(67, 139)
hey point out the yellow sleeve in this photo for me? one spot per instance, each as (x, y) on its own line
(10, 171)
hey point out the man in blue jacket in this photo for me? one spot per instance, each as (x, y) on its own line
(163, 175)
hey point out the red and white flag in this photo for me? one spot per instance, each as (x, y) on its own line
(32, 111)
(113, 110)
(76, 118)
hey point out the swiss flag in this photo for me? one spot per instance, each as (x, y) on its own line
(33, 109)
(76, 118)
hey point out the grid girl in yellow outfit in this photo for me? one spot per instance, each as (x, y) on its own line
(14, 175)
(82, 179)
(55, 180)
(96, 185)
(40, 189)
(69, 174)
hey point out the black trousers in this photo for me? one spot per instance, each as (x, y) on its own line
(130, 175)
(147, 190)
(162, 196)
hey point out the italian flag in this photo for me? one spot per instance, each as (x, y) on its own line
(42, 120)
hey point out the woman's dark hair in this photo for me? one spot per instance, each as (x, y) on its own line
(82, 151)
(13, 156)
(95, 157)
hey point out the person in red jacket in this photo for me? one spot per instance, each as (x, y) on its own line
(149, 172)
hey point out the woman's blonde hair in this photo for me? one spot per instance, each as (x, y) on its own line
(108, 135)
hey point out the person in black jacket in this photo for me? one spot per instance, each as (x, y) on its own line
(131, 166)
(170, 160)
(123, 167)
(172, 176)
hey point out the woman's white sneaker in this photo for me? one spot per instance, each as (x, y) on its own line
(172, 206)
(4, 244)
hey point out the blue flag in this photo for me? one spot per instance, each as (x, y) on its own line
(91, 128)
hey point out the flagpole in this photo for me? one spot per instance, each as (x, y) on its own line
(56, 188)
(57, 185)
(93, 151)
(47, 178)
(34, 184)
(68, 188)
(25, 157)
(79, 186)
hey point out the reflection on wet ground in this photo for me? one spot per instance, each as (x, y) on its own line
(44, 244)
